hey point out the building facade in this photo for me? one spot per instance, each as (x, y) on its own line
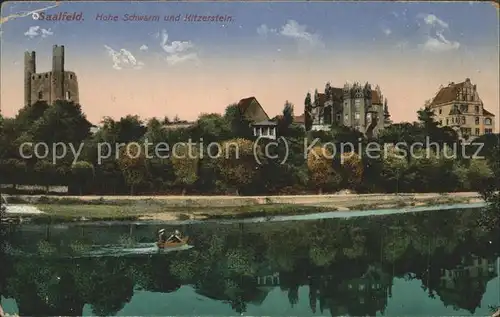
(57, 84)
(356, 106)
(459, 106)
(262, 125)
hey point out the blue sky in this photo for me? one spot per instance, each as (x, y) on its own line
(275, 51)
(341, 23)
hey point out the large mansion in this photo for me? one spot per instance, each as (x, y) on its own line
(357, 106)
(459, 106)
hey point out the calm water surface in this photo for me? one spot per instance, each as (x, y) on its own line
(419, 264)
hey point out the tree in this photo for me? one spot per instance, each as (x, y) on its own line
(185, 161)
(211, 128)
(237, 163)
(45, 174)
(352, 169)
(286, 120)
(28, 115)
(14, 171)
(321, 171)
(394, 167)
(132, 163)
(308, 112)
(64, 122)
(83, 175)
(238, 124)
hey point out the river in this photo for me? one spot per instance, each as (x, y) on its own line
(411, 264)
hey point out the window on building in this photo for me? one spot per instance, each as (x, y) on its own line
(463, 120)
(488, 121)
(46, 75)
(40, 95)
(70, 76)
(441, 122)
(339, 117)
(476, 131)
(356, 115)
(357, 104)
(464, 108)
(440, 111)
(39, 76)
(477, 120)
(476, 109)
(447, 121)
(488, 131)
(68, 95)
(346, 117)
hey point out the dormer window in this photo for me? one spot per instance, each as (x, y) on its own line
(488, 121)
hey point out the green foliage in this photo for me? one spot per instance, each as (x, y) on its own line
(284, 170)
(308, 112)
(54, 273)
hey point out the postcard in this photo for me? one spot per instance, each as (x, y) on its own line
(219, 158)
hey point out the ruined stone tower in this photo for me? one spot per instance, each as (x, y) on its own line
(57, 84)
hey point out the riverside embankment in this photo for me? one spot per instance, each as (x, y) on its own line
(209, 207)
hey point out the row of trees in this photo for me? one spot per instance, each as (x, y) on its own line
(333, 258)
(122, 173)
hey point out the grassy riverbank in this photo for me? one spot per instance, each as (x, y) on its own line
(134, 212)
(169, 208)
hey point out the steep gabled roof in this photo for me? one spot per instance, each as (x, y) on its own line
(447, 94)
(244, 103)
(487, 113)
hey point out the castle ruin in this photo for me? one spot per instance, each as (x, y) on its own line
(57, 84)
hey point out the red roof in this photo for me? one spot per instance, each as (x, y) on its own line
(244, 103)
(300, 119)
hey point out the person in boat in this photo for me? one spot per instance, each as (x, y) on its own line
(162, 236)
(175, 237)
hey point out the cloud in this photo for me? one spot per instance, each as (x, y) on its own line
(144, 47)
(177, 51)
(264, 30)
(293, 30)
(123, 59)
(434, 29)
(36, 31)
(439, 44)
(387, 31)
(433, 20)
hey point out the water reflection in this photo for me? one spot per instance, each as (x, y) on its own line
(359, 267)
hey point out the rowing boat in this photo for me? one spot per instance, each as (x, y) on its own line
(170, 244)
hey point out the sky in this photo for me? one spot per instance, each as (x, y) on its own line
(275, 51)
